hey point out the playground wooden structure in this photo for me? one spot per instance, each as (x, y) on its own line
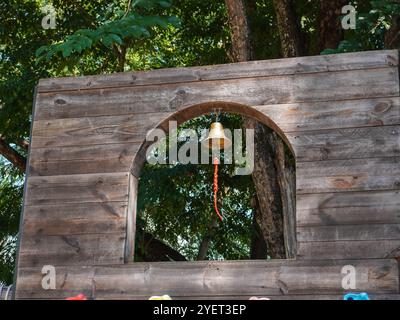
(340, 114)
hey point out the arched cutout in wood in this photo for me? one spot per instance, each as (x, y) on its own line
(180, 117)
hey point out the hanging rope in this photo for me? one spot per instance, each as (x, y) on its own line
(215, 188)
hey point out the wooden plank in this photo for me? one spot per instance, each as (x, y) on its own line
(377, 297)
(83, 152)
(66, 250)
(348, 175)
(297, 117)
(84, 159)
(213, 278)
(336, 297)
(371, 276)
(375, 249)
(131, 213)
(355, 84)
(76, 218)
(80, 188)
(327, 63)
(93, 131)
(349, 232)
(303, 297)
(308, 146)
(370, 207)
(382, 141)
(67, 227)
(76, 211)
(271, 297)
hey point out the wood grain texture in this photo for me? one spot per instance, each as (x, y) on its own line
(301, 297)
(368, 207)
(348, 175)
(305, 297)
(131, 213)
(76, 211)
(354, 84)
(64, 189)
(326, 63)
(349, 232)
(33, 227)
(65, 250)
(103, 158)
(370, 142)
(382, 141)
(371, 249)
(207, 279)
(93, 131)
(341, 115)
(326, 115)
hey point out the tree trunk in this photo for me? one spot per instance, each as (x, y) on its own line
(274, 179)
(12, 155)
(392, 37)
(240, 35)
(265, 178)
(290, 34)
(286, 175)
(289, 29)
(258, 248)
(330, 27)
(206, 242)
(268, 209)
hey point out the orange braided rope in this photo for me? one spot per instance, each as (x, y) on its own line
(216, 162)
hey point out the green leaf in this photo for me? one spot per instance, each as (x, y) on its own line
(165, 4)
(41, 50)
(86, 42)
(49, 55)
(107, 41)
(116, 38)
(66, 52)
(174, 21)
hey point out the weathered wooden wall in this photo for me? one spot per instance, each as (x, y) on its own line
(218, 279)
(339, 113)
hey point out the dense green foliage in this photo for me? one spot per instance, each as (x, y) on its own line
(10, 207)
(175, 203)
(104, 36)
(123, 28)
(373, 21)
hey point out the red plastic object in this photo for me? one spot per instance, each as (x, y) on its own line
(78, 297)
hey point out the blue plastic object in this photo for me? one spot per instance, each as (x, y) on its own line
(356, 296)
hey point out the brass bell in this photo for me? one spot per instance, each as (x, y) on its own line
(216, 138)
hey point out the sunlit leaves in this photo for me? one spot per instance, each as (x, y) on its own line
(147, 4)
(129, 27)
(11, 188)
(371, 28)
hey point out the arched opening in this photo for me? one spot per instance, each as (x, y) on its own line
(247, 218)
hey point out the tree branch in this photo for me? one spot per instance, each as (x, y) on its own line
(156, 250)
(23, 144)
(206, 241)
(128, 8)
(120, 53)
(392, 37)
(12, 155)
